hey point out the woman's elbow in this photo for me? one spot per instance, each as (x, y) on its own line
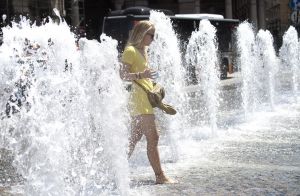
(123, 75)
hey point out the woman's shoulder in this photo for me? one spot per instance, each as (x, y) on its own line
(129, 54)
(130, 48)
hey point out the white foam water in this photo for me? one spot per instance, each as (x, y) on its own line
(247, 63)
(269, 66)
(202, 53)
(64, 108)
(289, 55)
(58, 109)
(165, 57)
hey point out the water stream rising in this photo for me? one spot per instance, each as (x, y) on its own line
(202, 53)
(63, 106)
(289, 55)
(269, 66)
(165, 57)
(57, 109)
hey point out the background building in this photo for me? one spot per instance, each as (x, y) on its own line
(34, 9)
(274, 15)
(86, 15)
(278, 18)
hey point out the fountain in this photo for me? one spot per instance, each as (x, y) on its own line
(247, 60)
(165, 57)
(64, 119)
(289, 55)
(201, 53)
(57, 108)
(270, 65)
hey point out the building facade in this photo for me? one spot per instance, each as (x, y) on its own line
(275, 15)
(279, 18)
(35, 9)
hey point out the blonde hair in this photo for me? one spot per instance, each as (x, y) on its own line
(138, 33)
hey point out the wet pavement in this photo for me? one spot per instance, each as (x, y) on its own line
(8, 175)
(258, 158)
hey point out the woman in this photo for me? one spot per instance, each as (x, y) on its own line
(135, 68)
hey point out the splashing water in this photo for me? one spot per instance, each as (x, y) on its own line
(202, 54)
(247, 61)
(4, 18)
(63, 108)
(58, 109)
(165, 57)
(259, 66)
(269, 61)
(289, 55)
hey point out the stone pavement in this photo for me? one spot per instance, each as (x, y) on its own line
(265, 161)
(246, 160)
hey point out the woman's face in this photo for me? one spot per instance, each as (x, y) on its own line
(148, 38)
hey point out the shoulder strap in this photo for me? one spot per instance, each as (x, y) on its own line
(146, 90)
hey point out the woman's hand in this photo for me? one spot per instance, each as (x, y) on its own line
(126, 75)
(149, 73)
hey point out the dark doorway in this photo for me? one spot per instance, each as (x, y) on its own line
(95, 12)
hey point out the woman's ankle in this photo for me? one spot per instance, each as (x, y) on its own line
(162, 179)
(159, 174)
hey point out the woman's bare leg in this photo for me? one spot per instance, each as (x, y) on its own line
(136, 134)
(152, 137)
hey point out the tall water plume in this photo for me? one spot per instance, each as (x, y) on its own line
(248, 62)
(268, 68)
(202, 53)
(64, 111)
(289, 55)
(165, 57)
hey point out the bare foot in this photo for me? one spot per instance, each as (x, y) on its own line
(162, 179)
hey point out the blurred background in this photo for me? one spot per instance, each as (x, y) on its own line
(86, 16)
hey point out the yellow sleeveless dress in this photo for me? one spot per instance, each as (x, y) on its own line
(138, 103)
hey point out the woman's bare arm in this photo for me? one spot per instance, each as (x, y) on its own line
(125, 73)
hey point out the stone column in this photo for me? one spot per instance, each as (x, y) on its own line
(197, 6)
(261, 14)
(253, 12)
(228, 9)
(75, 13)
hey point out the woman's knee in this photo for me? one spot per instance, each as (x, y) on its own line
(148, 128)
(152, 138)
